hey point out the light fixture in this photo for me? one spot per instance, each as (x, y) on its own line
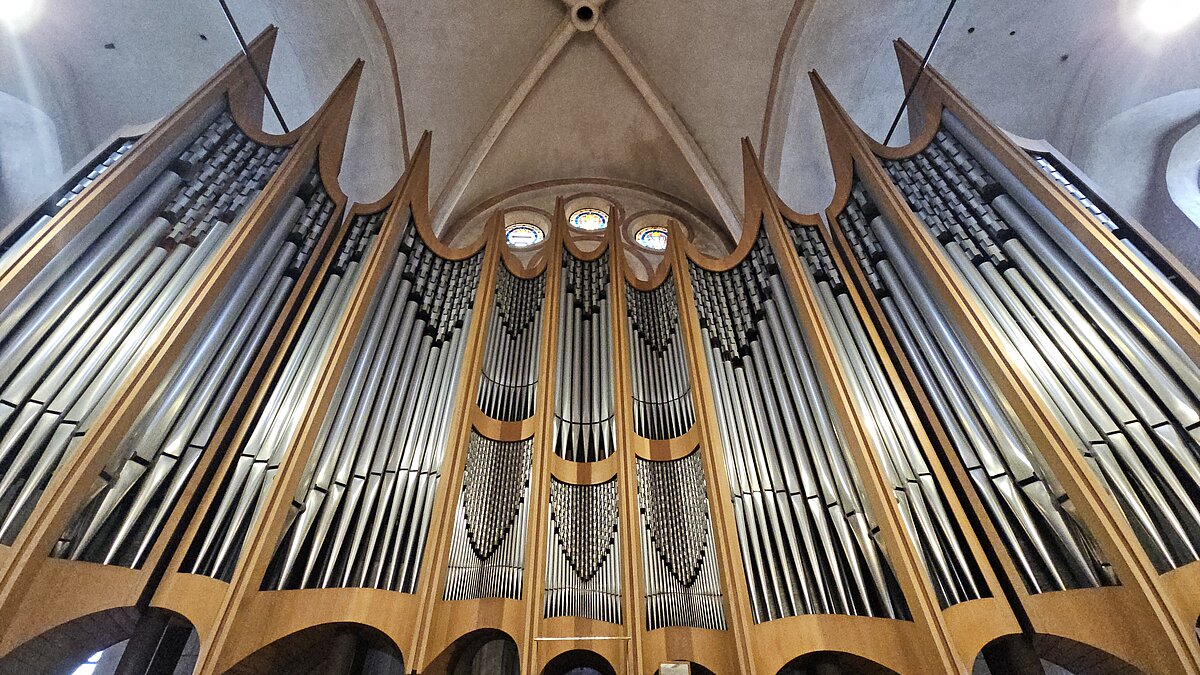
(1168, 16)
(19, 13)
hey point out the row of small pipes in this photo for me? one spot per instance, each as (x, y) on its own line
(509, 377)
(661, 384)
(583, 550)
(487, 548)
(71, 335)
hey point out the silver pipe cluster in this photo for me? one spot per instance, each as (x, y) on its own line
(361, 513)
(508, 383)
(922, 506)
(662, 387)
(1026, 503)
(218, 542)
(1132, 240)
(147, 474)
(13, 235)
(808, 544)
(72, 335)
(1125, 393)
(679, 559)
(487, 549)
(583, 412)
(583, 550)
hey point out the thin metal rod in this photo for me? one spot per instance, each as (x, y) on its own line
(262, 81)
(916, 80)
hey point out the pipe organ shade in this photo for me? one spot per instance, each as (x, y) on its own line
(969, 383)
(583, 567)
(808, 543)
(487, 550)
(72, 335)
(683, 586)
(583, 420)
(361, 513)
(508, 382)
(660, 382)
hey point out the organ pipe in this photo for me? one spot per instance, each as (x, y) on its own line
(808, 544)
(508, 383)
(70, 340)
(583, 568)
(487, 549)
(679, 563)
(583, 422)
(1122, 388)
(660, 382)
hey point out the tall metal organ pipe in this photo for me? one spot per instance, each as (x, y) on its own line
(147, 474)
(361, 512)
(218, 541)
(923, 508)
(1123, 390)
(583, 549)
(72, 335)
(661, 384)
(808, 543)
(583, 412)
(1051, 548)
(508, 383)
(487, 549)
(679, 561)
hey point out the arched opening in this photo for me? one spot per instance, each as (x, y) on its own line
(482, 652)
(834, 663)
(342, 648)
(1049, 654)
(579, 662)
(155, 641)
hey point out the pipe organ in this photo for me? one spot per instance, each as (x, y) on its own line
(887, 431)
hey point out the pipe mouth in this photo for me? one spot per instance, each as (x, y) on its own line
(585, 15)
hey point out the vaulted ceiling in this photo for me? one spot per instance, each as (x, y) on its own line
(649, 95)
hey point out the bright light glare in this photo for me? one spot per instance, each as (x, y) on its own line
(1168, 16)
(19, 13)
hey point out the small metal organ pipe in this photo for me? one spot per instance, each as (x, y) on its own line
(679, 560)
(662, 387)
(361, 513)
(923, 508)
(1124, 391)
(583, 569)
(73, 334)
(808, 543)
(218, 541)
(508, 383)
(146, 476)
(487, 549)
(1035, 517)
(583, 416)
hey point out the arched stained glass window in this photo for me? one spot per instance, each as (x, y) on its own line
(653, 238)
(523, 235)
(589, 220)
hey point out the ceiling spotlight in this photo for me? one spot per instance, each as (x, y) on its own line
(19, 13)
(1168, 16)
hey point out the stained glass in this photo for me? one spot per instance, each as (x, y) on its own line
(589, 220)
(523, 235)
(653, 238)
